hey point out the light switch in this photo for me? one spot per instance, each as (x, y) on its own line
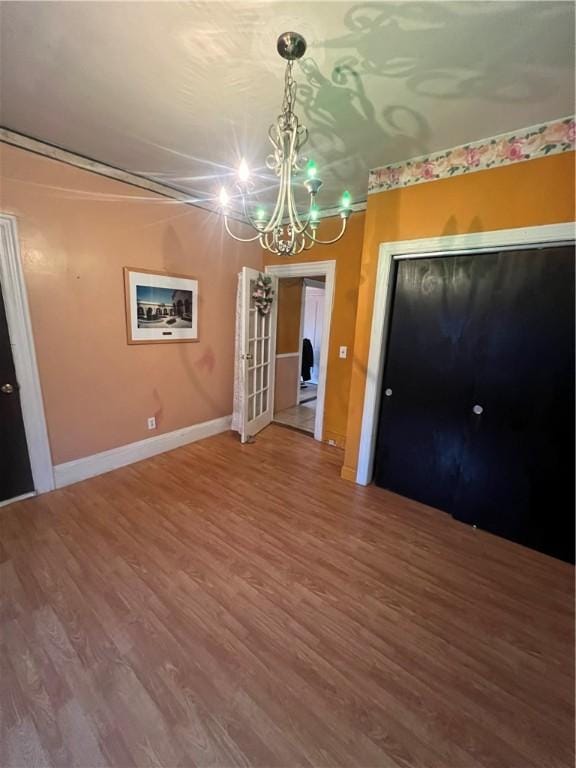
(344, 352)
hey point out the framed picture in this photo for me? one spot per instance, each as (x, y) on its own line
(160, 307)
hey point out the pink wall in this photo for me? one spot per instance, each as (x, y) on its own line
(77, 230)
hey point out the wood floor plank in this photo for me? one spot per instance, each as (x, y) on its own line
(225, 605)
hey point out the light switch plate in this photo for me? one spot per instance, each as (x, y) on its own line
(152, 422)
(343, 352)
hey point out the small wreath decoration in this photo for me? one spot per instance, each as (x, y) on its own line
(263, 294)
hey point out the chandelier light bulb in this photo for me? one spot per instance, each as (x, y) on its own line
(260, 214)
(311, 169)
(346, 200)
(243, 171)
(314, 214)
(224, 199)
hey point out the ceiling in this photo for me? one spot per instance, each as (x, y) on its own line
(178, 92)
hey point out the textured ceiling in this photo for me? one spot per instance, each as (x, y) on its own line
(179, 91)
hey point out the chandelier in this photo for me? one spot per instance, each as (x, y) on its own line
(285, 231)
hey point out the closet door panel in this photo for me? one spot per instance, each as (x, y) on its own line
(428, 380)
(516, 475)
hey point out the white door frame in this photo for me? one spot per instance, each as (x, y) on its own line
(22, 343)
(327, 269)
(477, 242)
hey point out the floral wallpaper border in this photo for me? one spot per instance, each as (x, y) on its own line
(525, 144)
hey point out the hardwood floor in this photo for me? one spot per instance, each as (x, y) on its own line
(227, 605)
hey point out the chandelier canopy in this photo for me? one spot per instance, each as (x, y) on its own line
(285, 231)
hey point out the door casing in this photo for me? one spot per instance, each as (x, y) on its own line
(327, 269)
(22, 340)
(477, 242)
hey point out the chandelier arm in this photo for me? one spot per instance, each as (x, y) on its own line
(237, 237)
(289, 198)
(277, 212)
(268, 245)
(249, 218)
(302, 244)
(299, 225)
(276, 223)
(293, 216)
(334, 239)
(304, 222)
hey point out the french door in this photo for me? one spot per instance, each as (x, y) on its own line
(478, 409)
(257, 356)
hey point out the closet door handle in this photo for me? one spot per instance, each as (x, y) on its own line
(478, 410)
(388, 392)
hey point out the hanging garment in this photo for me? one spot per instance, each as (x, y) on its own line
(307, 359)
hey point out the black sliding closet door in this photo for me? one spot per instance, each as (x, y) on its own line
(517, 470)
(495, 331)
(428, 381)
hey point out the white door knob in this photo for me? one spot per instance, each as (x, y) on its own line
(478, 410)
(388, 392)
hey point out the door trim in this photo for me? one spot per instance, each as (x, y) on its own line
(314, 269)
(24, 354)
(477, 242)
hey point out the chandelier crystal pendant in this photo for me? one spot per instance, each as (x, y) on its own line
(285, 231)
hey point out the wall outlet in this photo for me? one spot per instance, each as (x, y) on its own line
(152, 422)
(343, 352)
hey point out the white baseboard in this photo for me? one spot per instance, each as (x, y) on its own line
(99, 463)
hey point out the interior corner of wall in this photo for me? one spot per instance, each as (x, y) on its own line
(347, 473)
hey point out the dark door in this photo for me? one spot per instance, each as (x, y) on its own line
(15, 473)
(517, 470)
(494, 331)
(428, 381)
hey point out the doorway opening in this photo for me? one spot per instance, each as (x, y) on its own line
(24, 448)
(304, 312)
(299, 339)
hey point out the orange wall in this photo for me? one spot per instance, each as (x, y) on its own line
(521, 195)
(77, 231)
(289, 310)
(347, 254)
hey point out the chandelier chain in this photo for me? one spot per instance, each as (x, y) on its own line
(289, 94)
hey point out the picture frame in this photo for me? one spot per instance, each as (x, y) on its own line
(161, 307)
